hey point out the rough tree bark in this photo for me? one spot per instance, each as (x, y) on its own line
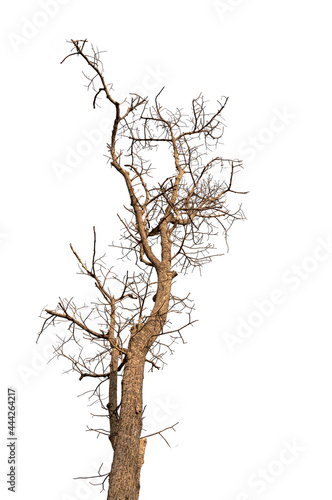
(169, 231)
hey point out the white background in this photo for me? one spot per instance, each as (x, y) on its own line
(236, 409)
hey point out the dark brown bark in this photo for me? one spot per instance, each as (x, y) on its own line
(129, 449)
(124, 484)
(113, 382)
(113, 401)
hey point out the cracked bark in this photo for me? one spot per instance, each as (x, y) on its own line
(130, 447)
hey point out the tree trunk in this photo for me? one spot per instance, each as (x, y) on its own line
(129, 453)
(129, 449)
(112, 404)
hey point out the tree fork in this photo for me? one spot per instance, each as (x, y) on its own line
(170, 230)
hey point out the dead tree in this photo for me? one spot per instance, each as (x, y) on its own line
(168, 230)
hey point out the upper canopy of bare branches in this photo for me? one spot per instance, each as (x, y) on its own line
(169, 229)
(193, 200)
(170, 224)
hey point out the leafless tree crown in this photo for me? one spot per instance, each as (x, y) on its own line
(168, 228)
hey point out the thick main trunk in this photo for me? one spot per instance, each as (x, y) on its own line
(127, 459)
(129, 449)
